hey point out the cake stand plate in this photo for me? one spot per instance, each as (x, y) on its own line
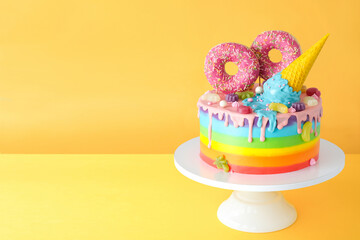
(256, 204)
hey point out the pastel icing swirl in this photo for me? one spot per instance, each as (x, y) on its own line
(276, 90)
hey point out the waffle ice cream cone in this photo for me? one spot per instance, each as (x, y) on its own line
(298, 70)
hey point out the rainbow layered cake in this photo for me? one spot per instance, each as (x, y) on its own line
(271, 126)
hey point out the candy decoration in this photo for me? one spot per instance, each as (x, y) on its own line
(312, 162)
(298, 106)
(232, 97)
(291, 110)
(223, 103)
(310, 101)
(303, 89)
(244, 95)
(312, 91)
(278, 107)
(280, 40)
(210, 97)
(244, 109)
(235, 104)
(298, 70)
(315, 96)
(259, 90)
(222, 163)
(242, 56)
(305, 134)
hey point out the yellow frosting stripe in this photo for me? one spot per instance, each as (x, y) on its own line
(265, 152)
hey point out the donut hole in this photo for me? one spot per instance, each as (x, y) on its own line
(275, 55)
(231, 68)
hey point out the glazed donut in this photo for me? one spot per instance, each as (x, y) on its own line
(280, 40)
(242, 56)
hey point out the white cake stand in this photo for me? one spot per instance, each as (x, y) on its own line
(256, 205)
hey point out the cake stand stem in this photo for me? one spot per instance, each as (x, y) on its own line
(256, 212)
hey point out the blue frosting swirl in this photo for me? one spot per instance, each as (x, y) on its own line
(276, 89)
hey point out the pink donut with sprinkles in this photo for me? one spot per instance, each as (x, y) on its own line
(242, 56)
(280, 40)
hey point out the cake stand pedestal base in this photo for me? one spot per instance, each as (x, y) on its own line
(256, 205)
(256, 212)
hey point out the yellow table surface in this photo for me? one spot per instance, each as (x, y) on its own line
(145, 197)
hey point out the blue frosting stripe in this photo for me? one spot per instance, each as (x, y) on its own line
(219, 127)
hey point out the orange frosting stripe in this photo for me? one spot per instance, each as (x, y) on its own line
(262, 161)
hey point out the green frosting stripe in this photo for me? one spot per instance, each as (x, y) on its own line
(278, 142)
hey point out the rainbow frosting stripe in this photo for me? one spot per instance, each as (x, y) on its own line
(251, 149)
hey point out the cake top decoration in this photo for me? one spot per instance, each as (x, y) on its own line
(285, 87)
(278, 93)
(254, 62)
(298, 70)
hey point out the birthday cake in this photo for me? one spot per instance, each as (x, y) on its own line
(268, 127)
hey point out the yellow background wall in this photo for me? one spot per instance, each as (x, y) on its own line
(124, 76)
